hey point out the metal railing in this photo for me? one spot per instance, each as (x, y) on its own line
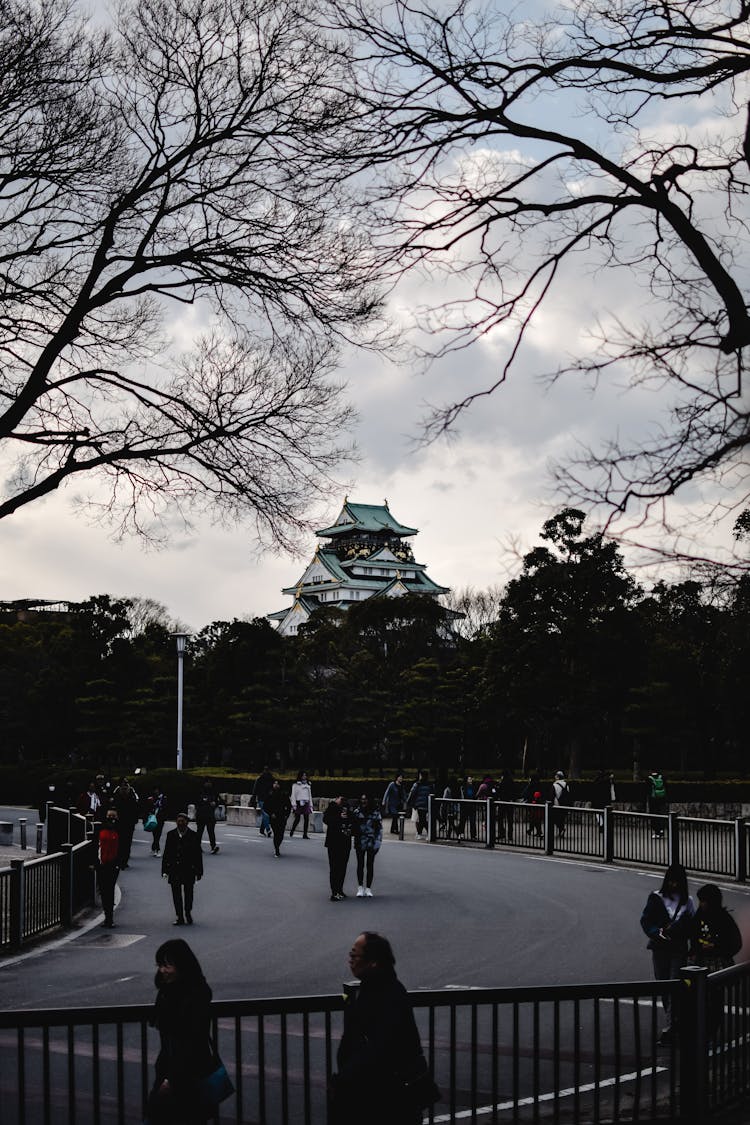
(39, 894)
(711, 847)
(583, 1053)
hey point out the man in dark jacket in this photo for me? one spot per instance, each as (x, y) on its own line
(182, 864)
(205, 815)
(339, 844)
(125, 800)
(380, 1047)
(261, 793)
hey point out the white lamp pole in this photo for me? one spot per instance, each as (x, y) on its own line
(181, 639)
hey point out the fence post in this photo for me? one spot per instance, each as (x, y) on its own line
(401, 822)
(740, 850)
(674, 838)
(490, 822)
(17, 893)
(66, 885)
(431, 834)
(693, 1038)
(549, 843)
(22, 830)
(609, 835)
(39, 838)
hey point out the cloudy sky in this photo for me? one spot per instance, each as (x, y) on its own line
(470, 496)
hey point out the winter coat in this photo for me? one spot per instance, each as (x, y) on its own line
(679, 931)
(301, 794)
(419, 795)
(716, 928)
(182, 1016)
(338, 827)
(368, 829)
(393, 799)
(380, 1039)
(182, 861)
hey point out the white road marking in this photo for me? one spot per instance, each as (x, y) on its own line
(632, 1077)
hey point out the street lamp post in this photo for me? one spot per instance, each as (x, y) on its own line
(181, 639)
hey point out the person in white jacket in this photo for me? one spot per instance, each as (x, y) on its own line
(301, 803)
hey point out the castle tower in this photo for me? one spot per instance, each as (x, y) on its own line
(366, 553)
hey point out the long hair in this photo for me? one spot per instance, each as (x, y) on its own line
(676, 873)
(178, 953)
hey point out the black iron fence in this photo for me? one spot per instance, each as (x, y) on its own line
(573, 1053)
(39, 894)
(713, 847)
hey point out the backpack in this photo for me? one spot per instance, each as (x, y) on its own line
(658, 788)
(565, 796)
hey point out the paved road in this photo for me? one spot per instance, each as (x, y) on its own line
(265, 927)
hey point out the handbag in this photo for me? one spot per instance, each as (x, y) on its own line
(216, 1086)
(150, 824)
(419, 1088)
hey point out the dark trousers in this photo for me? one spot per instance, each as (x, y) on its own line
(278, 824)
(210, 827)
(338, 860)
(394, 824)
(107, 878)
(667, 967)
(125, 832)
(421, 820)
(365, 859)
(295, 822)
(182, 892)
(157, 835)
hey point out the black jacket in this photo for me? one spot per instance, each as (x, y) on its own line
(380, 1042)
(680, 935)
(182, 861)
(182, 1016)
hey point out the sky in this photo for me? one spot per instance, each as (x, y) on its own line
(478, 499)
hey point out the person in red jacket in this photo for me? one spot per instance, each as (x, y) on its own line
(107, 865)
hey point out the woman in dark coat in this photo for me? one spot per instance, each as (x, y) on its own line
(668, 920)
(182, 1018)
(277, 806)
(718, 937)
(380, 1044)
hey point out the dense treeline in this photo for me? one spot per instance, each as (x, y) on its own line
(580, 667)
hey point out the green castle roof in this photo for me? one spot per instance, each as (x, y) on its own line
(368, 518)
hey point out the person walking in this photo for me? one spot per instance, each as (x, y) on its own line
(468, 816)
(125, 800)
(205, 816)
(393, 801)
(338, 842)
(156, 805)
(368, 836)
(301, 804)
(668, 921)
(506, 791)
(261, 793)
(419, 801)
(182, 1016)
(278, 807)
(380, 1047)
(602, 794)
(561, 800)
(182, 866)
(89, 802)
(656, 802)
(108, 864)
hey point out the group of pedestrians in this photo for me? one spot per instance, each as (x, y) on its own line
(358, 827)
(117, 809)
(379, 1060)
(679, 933)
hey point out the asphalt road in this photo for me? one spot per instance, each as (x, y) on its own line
(265, 927)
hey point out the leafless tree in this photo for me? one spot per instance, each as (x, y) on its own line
(178, 259)
(609, 140)
(478, 608)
